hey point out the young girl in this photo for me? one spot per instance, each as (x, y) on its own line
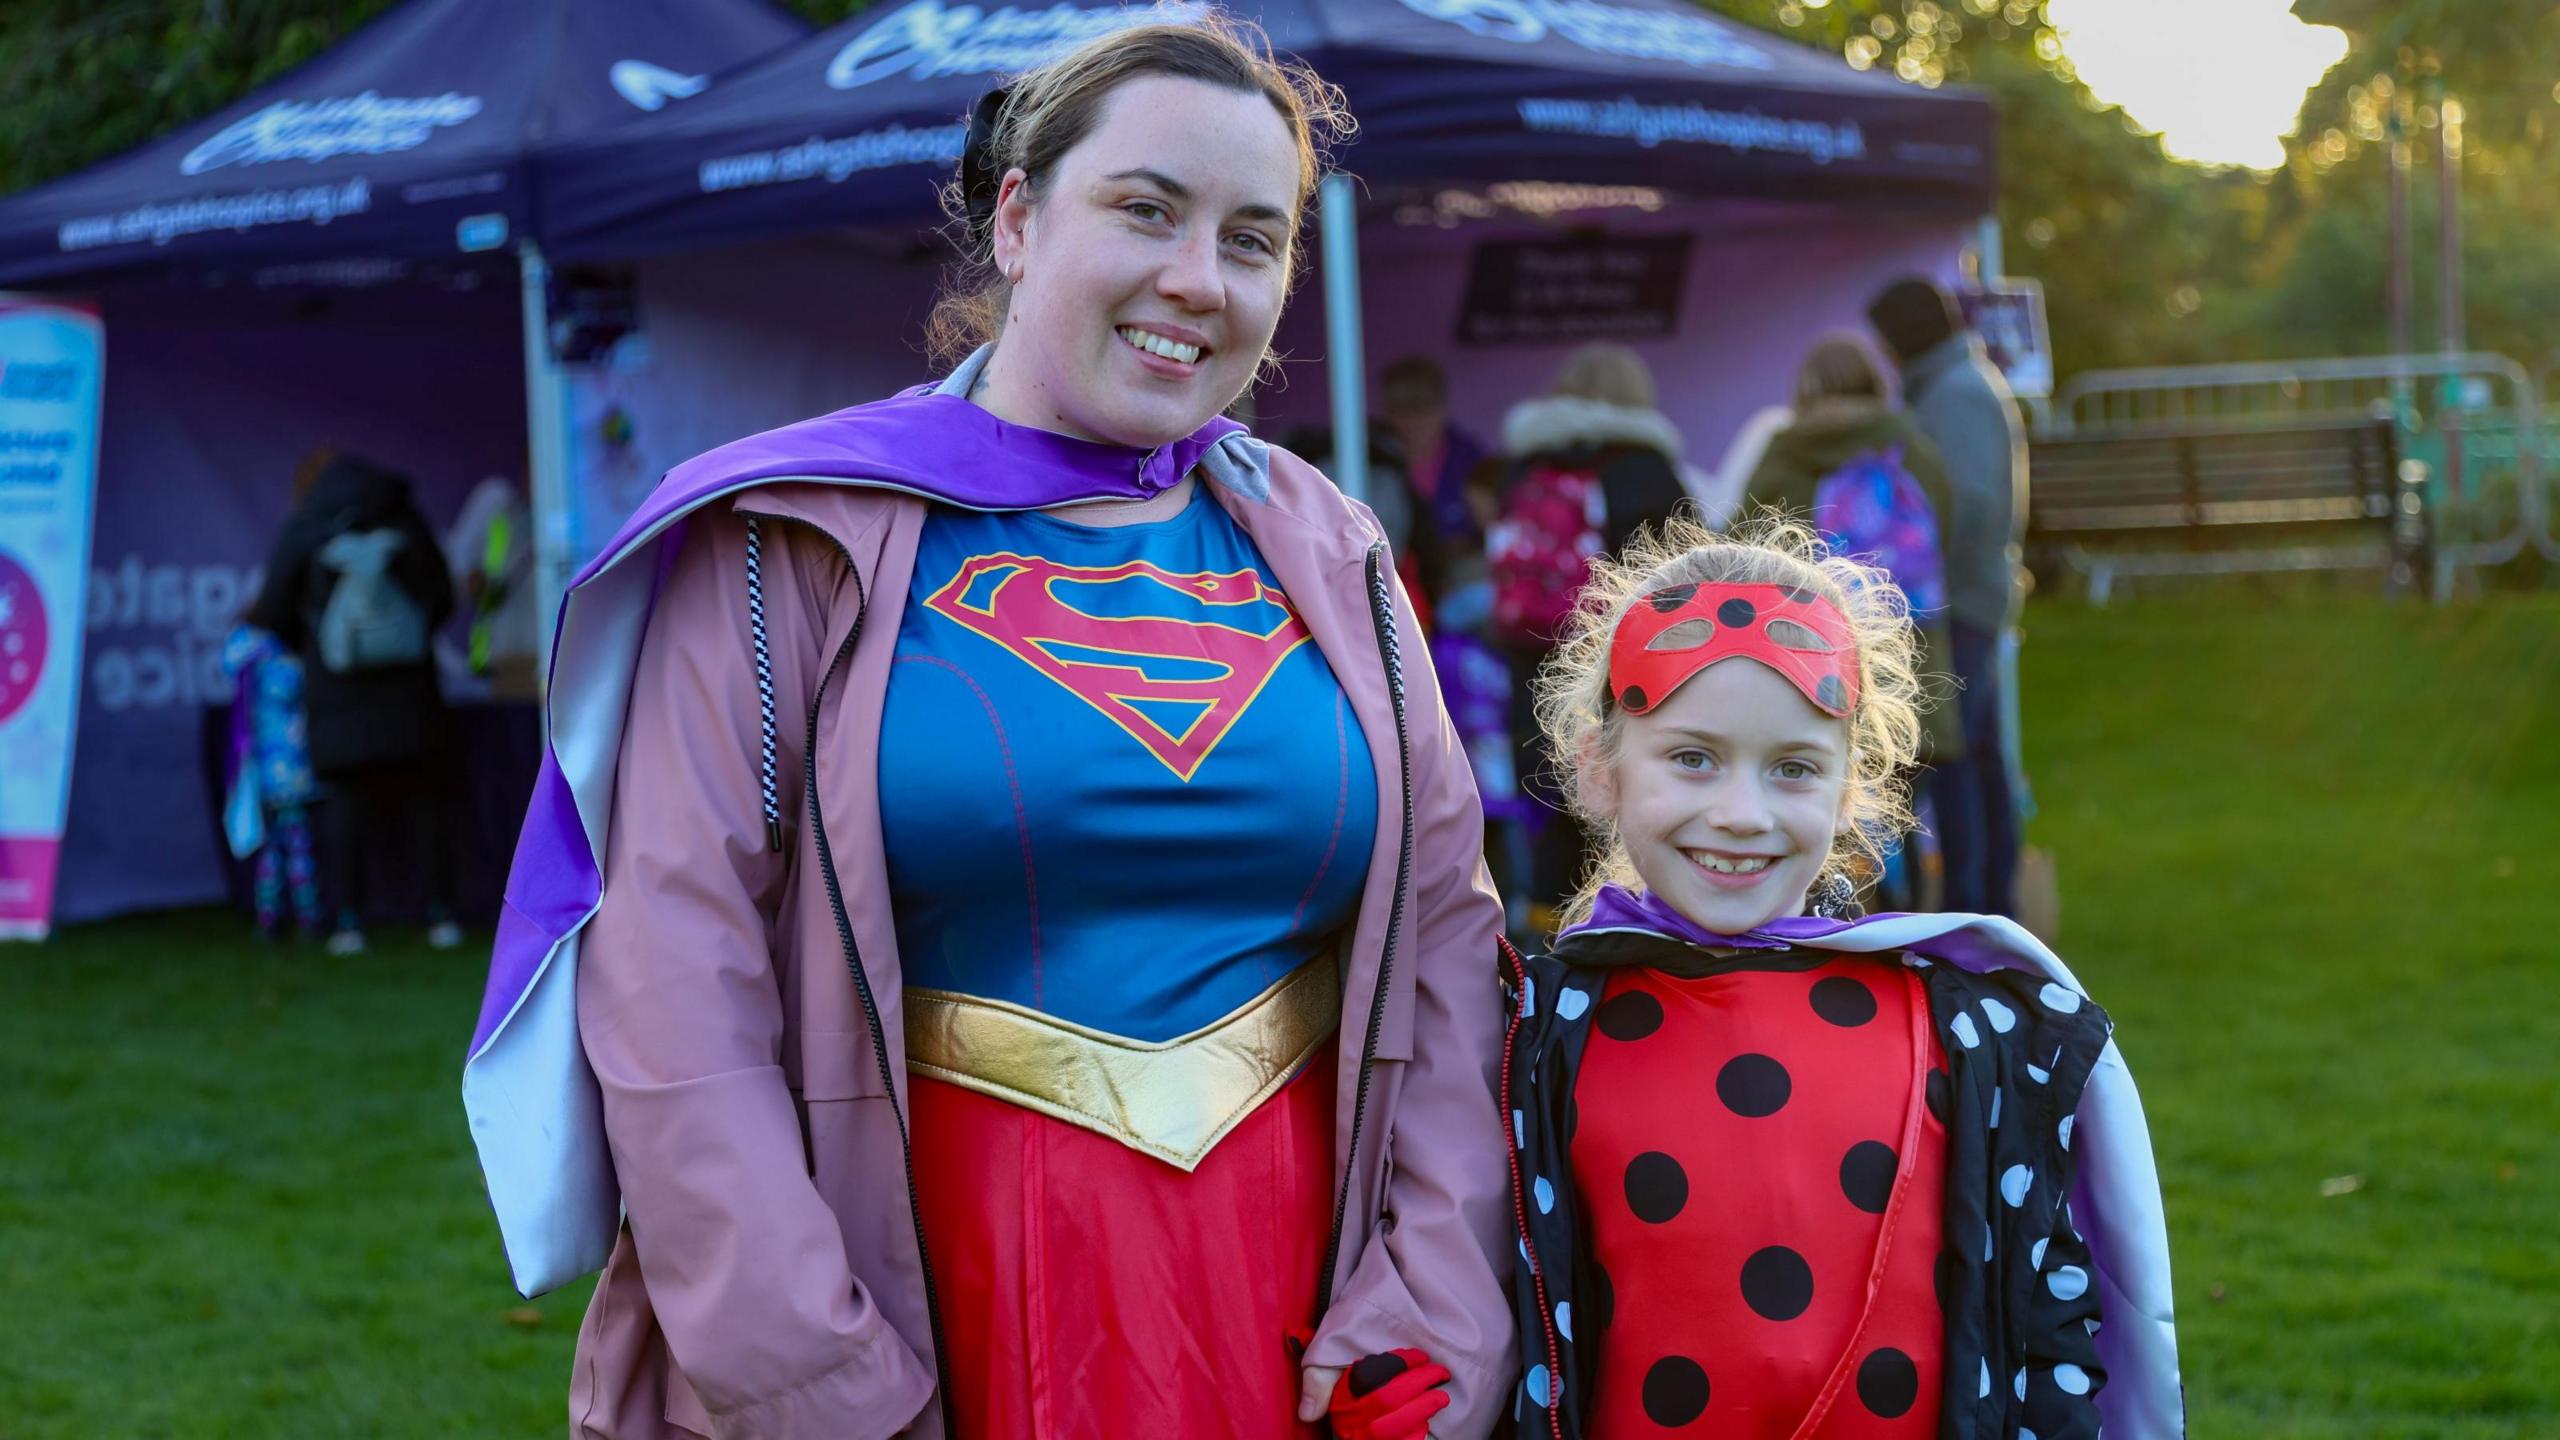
(267, 810)
(1780, 1172)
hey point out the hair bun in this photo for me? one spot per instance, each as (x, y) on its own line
(981, 177)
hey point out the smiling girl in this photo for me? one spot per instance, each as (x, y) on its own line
(1780, 1172)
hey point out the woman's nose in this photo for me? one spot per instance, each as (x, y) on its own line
(1190, 276)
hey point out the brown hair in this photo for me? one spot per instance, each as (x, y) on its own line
(1415, 382)
(1606, 371)
(1839, 367)
(1052, 109)
(1581, 724)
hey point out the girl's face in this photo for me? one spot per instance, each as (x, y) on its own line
(1153, 265)
(1727, 795)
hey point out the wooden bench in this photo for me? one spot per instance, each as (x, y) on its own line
(2124, 504)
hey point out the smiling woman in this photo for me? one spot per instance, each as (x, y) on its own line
(1137, 217)
(1076, 1021)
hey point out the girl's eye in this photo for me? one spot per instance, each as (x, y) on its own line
(1798, 770)
(1691, 759)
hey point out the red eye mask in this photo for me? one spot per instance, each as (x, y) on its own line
(1679, 630)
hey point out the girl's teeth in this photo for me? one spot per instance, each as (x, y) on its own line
(1733, 867)
(1158, 345)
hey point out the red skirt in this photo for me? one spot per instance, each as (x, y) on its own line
(1088, 1290)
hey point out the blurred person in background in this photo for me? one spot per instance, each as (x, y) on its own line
(1413, 406)
(1872, 487)
(356, 587)
(1586, 465)
(490, 548)
(1960, 401)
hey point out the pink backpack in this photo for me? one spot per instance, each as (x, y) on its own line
(1541, 550)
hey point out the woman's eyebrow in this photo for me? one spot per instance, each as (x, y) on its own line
(1176, 190)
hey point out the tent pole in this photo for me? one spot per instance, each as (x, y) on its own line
(1346, 368)
(546, 393)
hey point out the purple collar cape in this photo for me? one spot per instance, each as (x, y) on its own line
(2115, 1197)
(1619, 908)
(929, 442)
(536, 1115)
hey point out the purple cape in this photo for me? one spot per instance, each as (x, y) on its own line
(536, 1115)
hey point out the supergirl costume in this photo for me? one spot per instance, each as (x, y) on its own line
(1004, 975)
(1830, 1179)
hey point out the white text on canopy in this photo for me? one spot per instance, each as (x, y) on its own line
(928, 38)
(315, 130)
(1607, 29)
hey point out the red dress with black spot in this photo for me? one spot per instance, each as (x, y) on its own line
(1764, 1183)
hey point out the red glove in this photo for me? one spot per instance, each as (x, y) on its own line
(1388, 1397)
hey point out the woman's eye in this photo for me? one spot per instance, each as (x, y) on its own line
(1147, 210)
(1253, 242)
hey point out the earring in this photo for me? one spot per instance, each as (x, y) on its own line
(1014, 275)
(1834, 897)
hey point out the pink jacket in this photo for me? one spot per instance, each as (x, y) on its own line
(767, 1280)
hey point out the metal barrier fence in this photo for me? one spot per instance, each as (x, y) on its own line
(2477, 420)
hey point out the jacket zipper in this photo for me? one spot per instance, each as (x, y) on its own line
(1382, 616)
(1518, 974)
(853, 955)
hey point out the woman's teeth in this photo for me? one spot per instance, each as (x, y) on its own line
(1158, 345)
(1722, 866)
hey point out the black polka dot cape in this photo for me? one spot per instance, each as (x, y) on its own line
(2030, 1306)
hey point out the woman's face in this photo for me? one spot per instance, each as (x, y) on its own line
(1152, 265)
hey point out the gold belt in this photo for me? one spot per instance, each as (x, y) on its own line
(1172, 1099)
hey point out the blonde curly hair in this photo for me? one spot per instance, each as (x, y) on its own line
(1581, 722)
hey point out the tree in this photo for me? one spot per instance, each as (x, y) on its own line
(2131, 245)
(87, 79)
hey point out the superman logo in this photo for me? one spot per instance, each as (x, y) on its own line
(1177, 686)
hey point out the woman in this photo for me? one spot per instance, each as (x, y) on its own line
(1589, 463)
(1025, 782)
(1872, 485)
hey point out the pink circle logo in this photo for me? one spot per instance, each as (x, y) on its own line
(23, 635)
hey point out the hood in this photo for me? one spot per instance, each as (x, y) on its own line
(1552, 423)
(1830, 432)
(358, 494)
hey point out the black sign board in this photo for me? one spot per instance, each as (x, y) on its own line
(1595, 287)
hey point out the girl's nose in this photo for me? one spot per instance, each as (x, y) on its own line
(1738, 808)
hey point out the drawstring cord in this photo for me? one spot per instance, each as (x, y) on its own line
(764, 680)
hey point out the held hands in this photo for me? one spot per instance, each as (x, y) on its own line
(1390, 1396)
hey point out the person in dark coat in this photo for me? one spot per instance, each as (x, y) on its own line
(378, 733)
(1959, 400)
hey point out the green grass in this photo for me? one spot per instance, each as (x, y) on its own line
(2307, 861)
(237, 1198)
